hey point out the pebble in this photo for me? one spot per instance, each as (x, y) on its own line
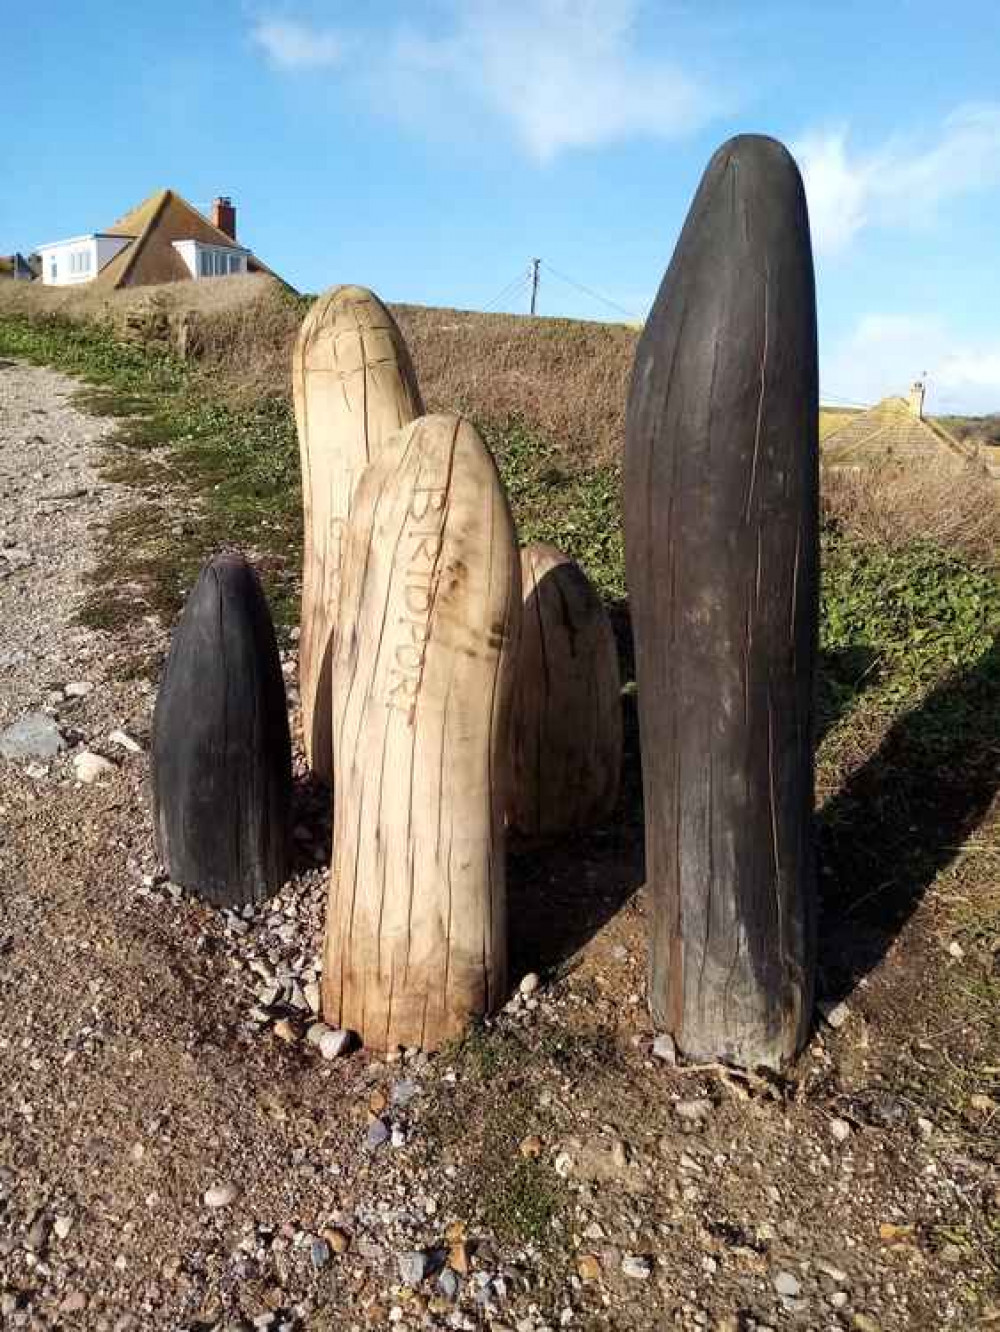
(378, 1133)
(458, 1257)
(124, 741)
(956, 950)
(786, 1284)
(285, 1031)
(665, 1049)
(694, 1110)
(338, 1240)
(403, 1092)
(319, 1254)
(834, 1015)
(840, 1130)
(588, 1266)
(637, 1267)
(313, 997)
(63, 1225)
(531, 1147)
(564, 1165)
(89, 768)
(412, 1267)
(78, 688)
(448, 1283)
(530, 983)
(333, 1044)
(35, 736)
(221, 1195)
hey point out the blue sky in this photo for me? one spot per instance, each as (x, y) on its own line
(430, 148)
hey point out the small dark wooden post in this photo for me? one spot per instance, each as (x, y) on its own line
(221, 760)
(721, 535)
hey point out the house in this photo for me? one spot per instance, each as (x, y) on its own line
(895, 430)
(164, 239)
(15, 266)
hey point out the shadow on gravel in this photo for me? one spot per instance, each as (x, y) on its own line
(902, 818)
(562, 893)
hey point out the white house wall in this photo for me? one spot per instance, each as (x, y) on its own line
(66, 256)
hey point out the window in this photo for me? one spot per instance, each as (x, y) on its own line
(53, 269)
(79, 261)
(217, 262)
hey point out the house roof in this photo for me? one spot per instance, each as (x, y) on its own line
(891, 432)
(152, 227)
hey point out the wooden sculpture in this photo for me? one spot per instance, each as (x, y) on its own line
(423, 673)
(722, 559)
(221, 756)
(567, 732)
(354, 386)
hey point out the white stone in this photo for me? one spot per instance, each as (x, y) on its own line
(77, 688)
(664, 1048)
(530, 983)
(840, 1130)
(333, 1044)
(221, 1195)
(90, 768)
(637, 1267)
(835, 1015)
(786, 1284)
(124, 741)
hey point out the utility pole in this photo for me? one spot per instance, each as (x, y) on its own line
(534, 282)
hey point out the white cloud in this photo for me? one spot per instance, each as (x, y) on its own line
(902, 182)
(561, 74)
(291, 45)
(885, 352)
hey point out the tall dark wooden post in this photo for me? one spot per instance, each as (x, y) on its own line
(721, 532)
(221, 759)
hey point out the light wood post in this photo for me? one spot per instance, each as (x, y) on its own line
(221, 756)
(353, 385)
(423, 671)
(722, 562)
(567, 748)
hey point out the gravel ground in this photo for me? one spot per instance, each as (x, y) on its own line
(176, 1152)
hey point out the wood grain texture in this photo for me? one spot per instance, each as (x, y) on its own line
(567, 732)
(354, 385)
(721, 536)
(423, 673)
(221, 755)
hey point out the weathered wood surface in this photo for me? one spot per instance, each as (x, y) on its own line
(221, 755)
(567, 732)
(354, 386)
(722, 559)
(423, 674)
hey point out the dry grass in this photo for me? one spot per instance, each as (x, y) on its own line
(892, 506)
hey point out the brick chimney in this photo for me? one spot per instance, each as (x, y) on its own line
(917, 399)
(224, 216)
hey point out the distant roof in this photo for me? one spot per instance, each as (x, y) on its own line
(151, 228)
(891, 432)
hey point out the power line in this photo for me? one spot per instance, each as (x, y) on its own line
(589, 291)
(512, 288)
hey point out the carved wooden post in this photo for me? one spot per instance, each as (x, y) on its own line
(354, 386)
(221, 757)
(567, 746)
(722, 559)
(423, 671)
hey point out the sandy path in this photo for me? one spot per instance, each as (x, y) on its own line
(51, 501)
